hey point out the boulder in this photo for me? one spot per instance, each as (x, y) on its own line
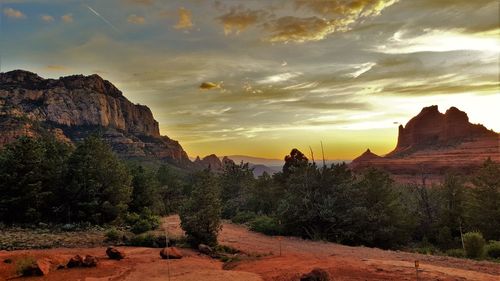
(89, 261)
(170, 253)
(75, 261)
(114, 253)
(317, 274)
(44, 266)
(205, 249)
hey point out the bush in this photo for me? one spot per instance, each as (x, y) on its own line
(146, 221)
(474, 244)
(141, 226)
(113, 235)
(266, 225)
(148, 240)
(457, 253)
(493, 249)
(243, 217)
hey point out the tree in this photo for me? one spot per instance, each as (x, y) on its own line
(30, 169)
(485, 205)
(201, 213)
(295, 160)
(98, 186)
(452, 212)
(171, 189)
(263, 195)
(378, 216)
(145, 191)
(235, 181)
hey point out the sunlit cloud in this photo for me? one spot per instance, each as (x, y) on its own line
(335, 16)
(135, 19)
(282, 77)
(238, 20)
(299, 30)
(185, 19)
(210, 85)
(362, 68)
(14, 14)
(67, 18)
(301, 86)
(47, 18)
(439, 41)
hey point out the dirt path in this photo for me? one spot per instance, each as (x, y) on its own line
(343, 262)
(298, 256)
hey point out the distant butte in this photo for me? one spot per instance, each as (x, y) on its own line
(432, 144)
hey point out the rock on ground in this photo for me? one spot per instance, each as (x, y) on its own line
(114, 253)
(170, 253)
(316, 274)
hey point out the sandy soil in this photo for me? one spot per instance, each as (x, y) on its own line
(297, 257)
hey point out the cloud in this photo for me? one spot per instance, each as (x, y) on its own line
(185, 19)
(238, 20)
(342, 8)
(282, 77)
(210, 85)
(14, 14)
(334, 15)
(439, 41)
(299, 30)
(134, 19)
(47, 18)
(67, 18)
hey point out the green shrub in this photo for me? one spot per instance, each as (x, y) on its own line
(226, 249)
(243, 217)
(493, 249)
(474, 244)
(113, 235)
(444, 238)
(457, 253)
(266, 225)
(148, 240)
(426, 250)
(142, 222)
(141, 226)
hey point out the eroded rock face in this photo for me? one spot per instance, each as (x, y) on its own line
(433, 144)
(76, 106)
(433, 129)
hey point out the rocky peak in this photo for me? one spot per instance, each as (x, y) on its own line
(79, 105)
(367, 155)
(21, 78)
(433, 129)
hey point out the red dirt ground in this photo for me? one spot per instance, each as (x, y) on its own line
(297, 257)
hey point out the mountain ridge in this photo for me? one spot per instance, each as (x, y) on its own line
(72, 107)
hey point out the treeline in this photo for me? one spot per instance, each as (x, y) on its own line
(45, 180)
(333, 204)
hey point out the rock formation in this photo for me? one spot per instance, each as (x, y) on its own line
(73, 107)
(432, 144)
(432, 129)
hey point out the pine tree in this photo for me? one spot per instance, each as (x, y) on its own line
(201, 213)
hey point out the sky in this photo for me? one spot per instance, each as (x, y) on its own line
(259, 78)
